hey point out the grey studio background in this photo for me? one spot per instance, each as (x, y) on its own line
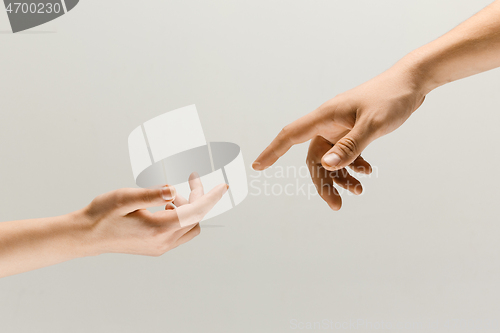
(420, 244)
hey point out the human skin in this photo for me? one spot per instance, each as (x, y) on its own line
(344, 126)
(114, 222)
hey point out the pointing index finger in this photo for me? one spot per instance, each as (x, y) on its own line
(301, 130)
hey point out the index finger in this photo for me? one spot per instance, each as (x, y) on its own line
(301, 130)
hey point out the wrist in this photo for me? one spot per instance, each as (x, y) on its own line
(419, 67)
(427, 68)
(83, 233)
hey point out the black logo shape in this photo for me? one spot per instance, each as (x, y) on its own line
(26, 14)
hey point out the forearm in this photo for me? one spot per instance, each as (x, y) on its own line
(30, 244)
(470, 48)
(114, 222)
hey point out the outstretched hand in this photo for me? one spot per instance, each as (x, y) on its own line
(122, 224)
(344, 126)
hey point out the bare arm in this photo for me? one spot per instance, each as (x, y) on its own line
(114, 222)
(344, 126)
(471, 48)
(32, 244)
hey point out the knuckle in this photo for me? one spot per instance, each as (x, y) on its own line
(156, 232)
(285, 133)
(120, 197)
(98, 202)
(348, 146)
(377, 122)
(148, 196)
(97, 206)
(285, 130)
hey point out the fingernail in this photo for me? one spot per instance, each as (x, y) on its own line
(331, 159)
(225, 189)
(168, 193)
(257, 167)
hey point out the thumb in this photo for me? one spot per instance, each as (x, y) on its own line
(347, 149)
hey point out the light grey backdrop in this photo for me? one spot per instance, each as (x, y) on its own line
(420, 245)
